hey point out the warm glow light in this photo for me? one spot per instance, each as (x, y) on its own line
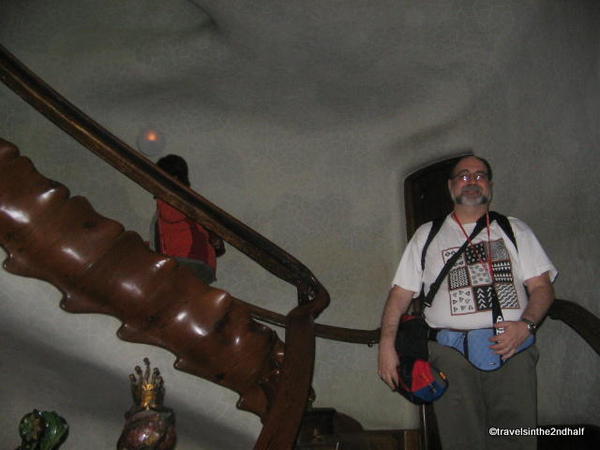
(151, 141)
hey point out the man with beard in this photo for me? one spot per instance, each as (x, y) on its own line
(520, 276)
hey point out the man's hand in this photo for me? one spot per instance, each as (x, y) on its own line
(541, 296)
(396, 305)
(507, 343)
(388, 366)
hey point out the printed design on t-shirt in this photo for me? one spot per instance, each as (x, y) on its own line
(479, 275)
(476, 253)
(499, 251)
(502, 271)
(458, 278)
(447, 254)
(483, 294)
(507, 295)
(461, 301)
(470, 284)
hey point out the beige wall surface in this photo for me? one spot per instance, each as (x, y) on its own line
(302, 119)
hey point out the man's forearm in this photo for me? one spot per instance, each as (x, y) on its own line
(397, 303)
(541, 296)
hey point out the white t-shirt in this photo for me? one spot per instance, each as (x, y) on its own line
(463, 300)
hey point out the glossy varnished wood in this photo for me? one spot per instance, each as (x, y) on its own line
(134, 165)
(101, 268)
(145, 173)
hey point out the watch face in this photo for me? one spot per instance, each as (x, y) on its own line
(531, 326)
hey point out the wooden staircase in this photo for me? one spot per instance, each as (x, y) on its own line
(102, 268)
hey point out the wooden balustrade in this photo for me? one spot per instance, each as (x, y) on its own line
(285, 384)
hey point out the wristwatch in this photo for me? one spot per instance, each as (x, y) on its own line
(531, 326)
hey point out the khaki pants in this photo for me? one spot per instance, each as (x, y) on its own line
(477, 400)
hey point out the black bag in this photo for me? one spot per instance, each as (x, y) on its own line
(418, 381)
(412, 337)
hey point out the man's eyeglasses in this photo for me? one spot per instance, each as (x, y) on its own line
(468, 177)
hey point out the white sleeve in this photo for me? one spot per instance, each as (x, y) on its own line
(532, 257)
(409, 273)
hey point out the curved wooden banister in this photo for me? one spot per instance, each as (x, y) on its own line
(350, 335)
(290, 386)
(282, 423)
(582, 321)
(145, 173)
(101, 268)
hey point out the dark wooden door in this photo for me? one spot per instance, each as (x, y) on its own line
(426, 193)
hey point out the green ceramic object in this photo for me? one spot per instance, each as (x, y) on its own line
(44, 430)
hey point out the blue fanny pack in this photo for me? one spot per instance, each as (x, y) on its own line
(475, 346)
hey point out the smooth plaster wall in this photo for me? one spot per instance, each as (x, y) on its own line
(303, 120)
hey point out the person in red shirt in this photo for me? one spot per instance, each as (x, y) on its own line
(178, 236)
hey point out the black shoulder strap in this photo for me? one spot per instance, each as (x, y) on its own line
(435, 227)
(437, 224)
(505, 225)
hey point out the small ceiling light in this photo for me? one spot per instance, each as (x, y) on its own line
(151, 142)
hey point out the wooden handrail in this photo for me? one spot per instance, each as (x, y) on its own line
(281, 425)
(330, 332)
(582, 321)
(145, 173)
(282, 420)
(141, 170)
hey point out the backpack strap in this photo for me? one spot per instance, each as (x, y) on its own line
(504, 223)
(437, 224)
(435, 228)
